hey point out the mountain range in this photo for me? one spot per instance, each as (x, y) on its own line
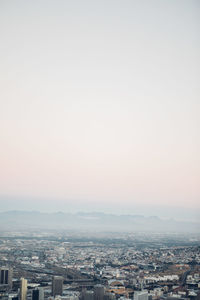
(94, 221)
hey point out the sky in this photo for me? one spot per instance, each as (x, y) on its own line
(99, 106)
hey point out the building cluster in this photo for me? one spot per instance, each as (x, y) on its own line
(57, 269)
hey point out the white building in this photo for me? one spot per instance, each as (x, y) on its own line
(141, 295)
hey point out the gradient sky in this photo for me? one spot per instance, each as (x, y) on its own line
(99, 105)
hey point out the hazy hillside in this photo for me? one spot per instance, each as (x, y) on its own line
(92, 221)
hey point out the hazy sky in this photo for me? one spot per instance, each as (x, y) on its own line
(99, 105)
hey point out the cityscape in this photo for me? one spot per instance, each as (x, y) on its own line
(72, 265)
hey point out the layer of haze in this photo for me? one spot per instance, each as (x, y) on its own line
(99, 105)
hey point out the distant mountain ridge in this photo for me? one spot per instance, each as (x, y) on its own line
(92, 221)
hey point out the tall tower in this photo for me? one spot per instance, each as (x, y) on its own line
(6, 277)
(38, 294)
(99, 292)
(57, 286)
(87, 295)
(23, 289)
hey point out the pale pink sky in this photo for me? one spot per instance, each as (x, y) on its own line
(99, 102)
